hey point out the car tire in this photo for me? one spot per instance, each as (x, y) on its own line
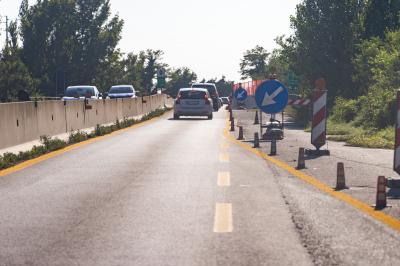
(176, 117)
(210, 117)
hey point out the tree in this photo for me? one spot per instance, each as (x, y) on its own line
(67, 41)
(381, 16)
(324, 43)
(254, 63)
(179, 78)
(14, 76)
(152, 63)
(224, 86)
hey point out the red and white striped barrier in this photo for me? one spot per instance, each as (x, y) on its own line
(318, 133)
(299, 102)
(396, 164)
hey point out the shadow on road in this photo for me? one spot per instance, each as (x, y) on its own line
(393, 193)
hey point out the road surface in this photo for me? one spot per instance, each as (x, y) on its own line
(178, 193)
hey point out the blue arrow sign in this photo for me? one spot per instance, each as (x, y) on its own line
(241, 94)
(272, 97)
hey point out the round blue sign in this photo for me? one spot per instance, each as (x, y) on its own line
(272, 97)
(241, 94)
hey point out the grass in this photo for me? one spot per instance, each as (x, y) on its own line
(359, 137)
(49, 144)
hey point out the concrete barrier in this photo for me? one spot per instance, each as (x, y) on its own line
(27, 121)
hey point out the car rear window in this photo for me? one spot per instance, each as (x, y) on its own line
(192, 94)
(79, 92)
(210, 88)
(121, 90)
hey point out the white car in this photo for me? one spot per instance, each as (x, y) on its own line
(122, 91)
(193, 102)
(81, 92)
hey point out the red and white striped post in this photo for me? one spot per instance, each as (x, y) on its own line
(396, 164)
(318, 132)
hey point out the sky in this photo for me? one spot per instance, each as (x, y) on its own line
(208, 36)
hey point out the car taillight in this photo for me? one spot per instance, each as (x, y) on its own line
(206, 99)
(178, 100)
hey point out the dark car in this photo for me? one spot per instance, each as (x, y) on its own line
(212, 90)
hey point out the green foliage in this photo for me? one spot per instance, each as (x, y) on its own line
(381, 16)
(377, 109)
(14, 76)
(300, 115)
(254, 63)
(179, 78)
(52, 144)
(67, 40)
(77, 136)
(344, 110)
(224, 86)
(323, 45)
(358, 137)
(337, 129)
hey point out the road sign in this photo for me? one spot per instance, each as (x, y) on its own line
(161, 75)
(272, 97)
(293, 81)
(241, 94)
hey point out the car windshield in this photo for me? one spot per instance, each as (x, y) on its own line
(210, 88)
(79, 92)
(193, 94)
(121, 90)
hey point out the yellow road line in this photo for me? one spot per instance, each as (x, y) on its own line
(223, 218)
(53, 154)
(224, 158)
(224, 179)
(363, 207)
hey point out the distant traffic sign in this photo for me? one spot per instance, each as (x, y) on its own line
(292, 81)
(241, 94)
(161, 75)
(272, 96)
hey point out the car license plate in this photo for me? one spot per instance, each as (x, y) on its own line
(193, 102)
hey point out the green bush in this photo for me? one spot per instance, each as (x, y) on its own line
(77, 136)
(301, 116)
(377, 109)
(344, 110)
(52, 144)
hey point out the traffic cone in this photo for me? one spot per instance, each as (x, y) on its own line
(256, 140)
(341, 179)
(381, 193)
(256, 120)
(232, 125)
(240, 133)
(273, 148)
(301, 162)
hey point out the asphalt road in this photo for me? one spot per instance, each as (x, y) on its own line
(178, 193)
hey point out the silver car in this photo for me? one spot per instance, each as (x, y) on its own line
(193, 102)
(81, 92)
(122, 91)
